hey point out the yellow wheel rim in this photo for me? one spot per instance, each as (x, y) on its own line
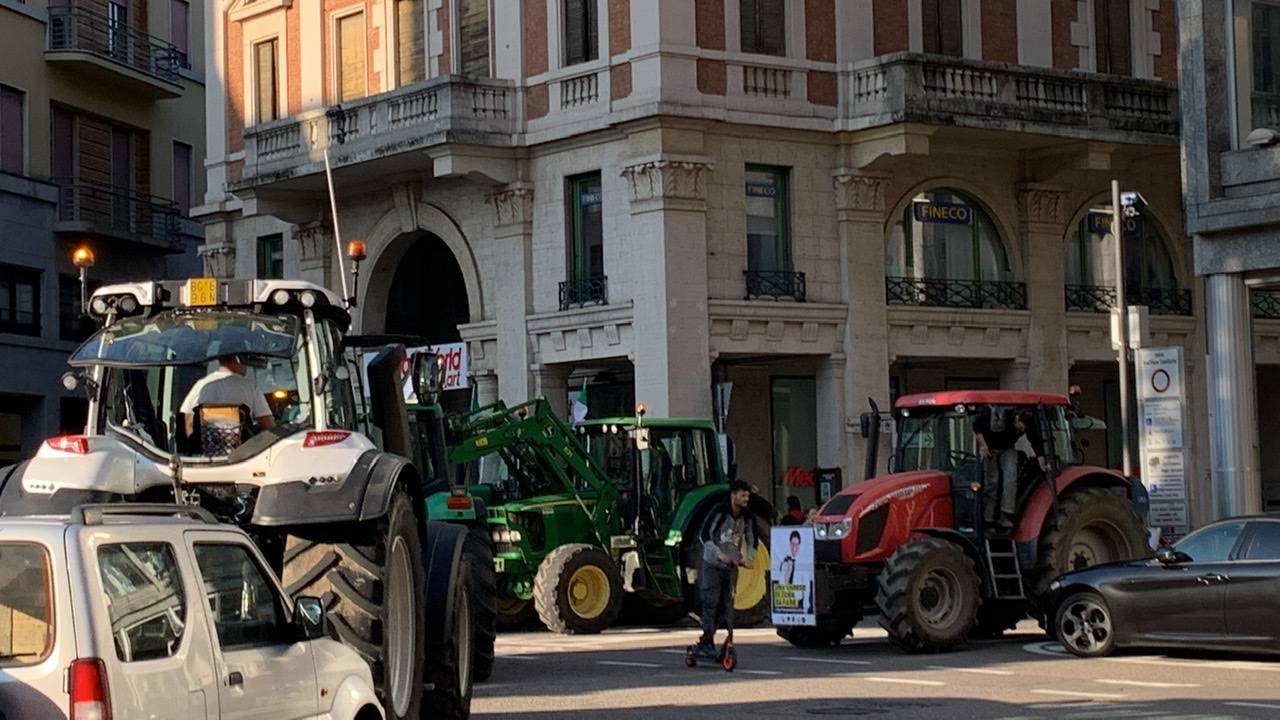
(511, 606)
(753, 582)
(588, 592)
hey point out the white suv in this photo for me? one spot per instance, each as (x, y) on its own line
(155, 611)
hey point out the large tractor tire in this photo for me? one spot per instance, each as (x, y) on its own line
(928, 596)
(478, 555)
(577, 590)
(1093, 526)
(370, 582)
(751, 593)
(824, 634)
(451, 642)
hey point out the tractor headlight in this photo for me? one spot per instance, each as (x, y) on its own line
(307, 298)
(841, 529)
(514, 536)
(280, 297)
(820, 531)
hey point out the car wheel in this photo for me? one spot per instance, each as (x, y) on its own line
(1083, 625)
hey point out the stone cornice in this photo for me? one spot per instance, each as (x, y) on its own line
(859, 192)
(313, 239)
(668, 179)
(1038, 204)
(513, 205)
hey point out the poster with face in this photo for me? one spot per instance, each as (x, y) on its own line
(791, 583)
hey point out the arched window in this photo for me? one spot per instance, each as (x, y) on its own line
(943, 234)
(1149, 275)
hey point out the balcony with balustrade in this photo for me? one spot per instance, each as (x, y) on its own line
(123, 215)
(384, 133)
(1100, 299)
(107, 52)
(931, 89)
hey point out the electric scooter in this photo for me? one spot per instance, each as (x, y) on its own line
(727, 657)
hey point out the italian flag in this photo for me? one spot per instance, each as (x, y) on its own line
(578, 405)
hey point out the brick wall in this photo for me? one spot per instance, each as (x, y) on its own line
(890, 19)
(293, 59)
(1065, 55)
(620, 81)
(1000, 30)
(1165, 22)
(446, 33)
(709, 31)
(236, 105)
(534, 16)
(619, 26)
(820, 30)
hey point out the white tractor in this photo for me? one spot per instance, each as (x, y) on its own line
(294, 463)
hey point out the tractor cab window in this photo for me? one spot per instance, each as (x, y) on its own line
(335, 377)
(933, 440)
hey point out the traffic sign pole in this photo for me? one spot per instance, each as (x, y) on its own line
(1117, 233)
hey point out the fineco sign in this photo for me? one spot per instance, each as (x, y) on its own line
(943, 213)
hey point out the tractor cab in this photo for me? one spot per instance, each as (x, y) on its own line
(936, 432)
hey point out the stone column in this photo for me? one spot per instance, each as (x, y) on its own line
(860, 214)
(1040, 222)
(1016, 375)
(315, 253)
(513, 294)
(219, 258)
(486, 389)
(552, 383)
(831, 438)
(1233, 411)
(672, 332)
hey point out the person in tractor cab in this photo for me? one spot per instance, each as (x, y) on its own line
(227, 386)
(998, 429)
(726, 531)
(795, 514)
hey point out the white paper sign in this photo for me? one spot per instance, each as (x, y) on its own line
(1164, 473)
(792, 577)
(452, 355)
(1161, 410)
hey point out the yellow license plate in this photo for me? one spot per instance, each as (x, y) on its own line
(202, 291)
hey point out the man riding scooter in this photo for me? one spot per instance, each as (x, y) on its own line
(724, 534)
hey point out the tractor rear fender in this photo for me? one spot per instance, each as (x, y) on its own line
(364, 494)
(1036, 511)
(698, 503)
(441, 558)
(956, 538)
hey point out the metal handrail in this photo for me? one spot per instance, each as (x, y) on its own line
(117, 209)
(943, 292)
(79, 29)
(1101, 298)
(584, 292)
(776, 284)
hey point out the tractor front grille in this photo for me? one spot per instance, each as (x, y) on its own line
(827, 551)
(532, 527)
(870, 528)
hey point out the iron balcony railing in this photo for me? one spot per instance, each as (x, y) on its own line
(591, 290)
(1266, 304)
(937, 292)
(775, 284)
(117, 211)
(82, 30)
(1101, 298)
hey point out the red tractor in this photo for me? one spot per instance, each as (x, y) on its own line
(911, 546)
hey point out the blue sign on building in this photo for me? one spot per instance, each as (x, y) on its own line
(943, 213)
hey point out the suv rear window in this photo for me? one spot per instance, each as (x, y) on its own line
(26, 604)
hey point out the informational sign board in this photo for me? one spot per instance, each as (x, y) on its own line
(453, 356)
(943, 213)
(791, 579)
(1162, 413)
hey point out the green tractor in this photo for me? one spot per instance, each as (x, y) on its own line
(580, 520)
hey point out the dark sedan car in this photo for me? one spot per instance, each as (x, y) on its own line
(1218, 588)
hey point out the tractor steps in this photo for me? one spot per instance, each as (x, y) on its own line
(1003, 570)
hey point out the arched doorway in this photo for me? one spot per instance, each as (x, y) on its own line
(428, 293)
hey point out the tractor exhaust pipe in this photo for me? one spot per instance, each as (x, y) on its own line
(871, 431)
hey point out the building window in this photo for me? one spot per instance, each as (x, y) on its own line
(265, 80)
(473, 37)
(1112, 43)
(943, 27)
(1149, 275)
(182, 176)
(768, 220)
(586, 227)
(19, 300)
(118, 30)
(581, 36)
(62, 141)
(1265, 50)
(12, 130)
(271, 257)
(764, 26)
(411, 48)
(73, 324)
(180, 30)
(352, 77)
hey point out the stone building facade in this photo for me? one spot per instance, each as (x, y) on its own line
(101, 143)
(819, 201)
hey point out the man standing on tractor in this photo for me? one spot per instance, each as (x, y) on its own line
(997, 430)
(726, 531)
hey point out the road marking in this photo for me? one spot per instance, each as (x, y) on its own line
(1052, 649)
(830, 661)
(521, 657)
(905, 681)
(975, 671)
(760, 672)
(1253, 705)
(620, 663)
(1071, 693)
(1214, 664)
(672, 652)
(1149, 684)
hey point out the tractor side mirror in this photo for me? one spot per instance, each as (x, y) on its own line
(428, 376)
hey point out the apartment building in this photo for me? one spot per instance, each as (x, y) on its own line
(1231, 122)
(818, 201)
(101, 145)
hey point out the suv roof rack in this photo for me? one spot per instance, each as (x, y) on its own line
(93, 514)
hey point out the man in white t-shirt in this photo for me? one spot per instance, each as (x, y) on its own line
(227, 385)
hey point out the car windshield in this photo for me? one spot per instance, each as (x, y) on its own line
(26, 608)
(189, 338)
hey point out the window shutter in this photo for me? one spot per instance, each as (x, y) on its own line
(943, 27)
(932, 41)
(772, 27)
(1112, 37)
(265, 74)
(410, 42)
(11, 130)
(575, 37)
(64, 143)
(748, 17)
(473, 30)
(592, 29)
(351, 84)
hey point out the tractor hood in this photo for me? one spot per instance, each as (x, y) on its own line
(872, 517)
(858, 498)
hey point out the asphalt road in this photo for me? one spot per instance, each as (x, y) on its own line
(639, 673)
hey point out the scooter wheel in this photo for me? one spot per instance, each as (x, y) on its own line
(730, 660)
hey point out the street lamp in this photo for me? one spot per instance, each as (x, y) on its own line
(1127, 204)
(83, 259)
